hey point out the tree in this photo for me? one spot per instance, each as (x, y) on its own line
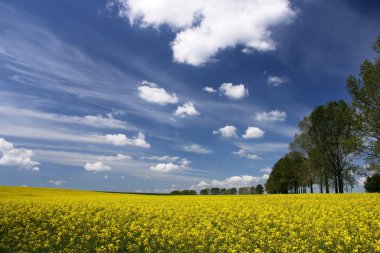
(205, 191)
(233, 191)
(244, 190)
(259, 189)
(252, 190)
(215, 191)
(372, 184)
(333, 132)
(365, 92)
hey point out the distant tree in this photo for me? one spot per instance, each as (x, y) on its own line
(184, 192)
(205, 191)
(365, 92)
(252, 190)
(233, 191)
(223, 191)
(372, 184)
(215, 191)
(244, 190)
(176, 192)
(259, 189)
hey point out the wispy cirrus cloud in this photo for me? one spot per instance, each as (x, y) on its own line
(196, 148)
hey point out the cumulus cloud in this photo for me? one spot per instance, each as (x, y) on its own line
(16, 157)
(275, 115)
(227, 131)
(122, 140)
(198, 23)
(186, 109)
(265, 176)
(235, 181)
(276, 80)
(231, 91)
(164, 167)
(253, 132)
(151, 93)
(195, 148)
(209, 89)
(361, 180)
(169, 167)
(246, 154)
(97, 166)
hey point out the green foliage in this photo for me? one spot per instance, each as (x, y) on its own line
(184, 192)
(365, 92)
(372, 184)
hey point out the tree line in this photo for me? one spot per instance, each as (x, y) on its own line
(259, 189)
(333, 137)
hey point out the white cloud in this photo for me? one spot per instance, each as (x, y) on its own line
(151, 93)
(246, 154)
(209, 89)
(169, 167)
(163, 158)
(233, 91)
(276, 80)
(186, 109)
(57, 182)
(253, 132)
(227, 131)
(165, 167)
(195, 148)
(96, 166)
(361, 180)
(265, 176)
(118, 157)
(16, 157)
(235, 181)
(122, 140)
(204, 28)
(266, 170)
(275, 115)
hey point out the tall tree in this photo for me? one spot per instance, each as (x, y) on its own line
(365, 92)
(333, 131)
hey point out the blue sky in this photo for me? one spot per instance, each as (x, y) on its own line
(128, 95)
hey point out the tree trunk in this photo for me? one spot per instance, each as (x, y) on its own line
(327, 183)
(336, 183)
(311, 186)
(321, 184)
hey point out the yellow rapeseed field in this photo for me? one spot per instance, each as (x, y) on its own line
(48, 220)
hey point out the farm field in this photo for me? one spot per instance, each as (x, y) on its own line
(50, 220)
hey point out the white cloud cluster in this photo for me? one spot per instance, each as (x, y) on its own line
(276, 80)
(101, 166)
(266, 170)
(16, 157)
(186, 109)
(198, 24)
(171, 166)
(195, 148)
(122, 140)
(209, 89)
(246, 154)
(253, 132)
(234, 92)
(275, 115)
(97, 166)
(151, 93)
(235, 181)
(227, 131)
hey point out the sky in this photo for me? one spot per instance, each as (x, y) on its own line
(155, 96)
